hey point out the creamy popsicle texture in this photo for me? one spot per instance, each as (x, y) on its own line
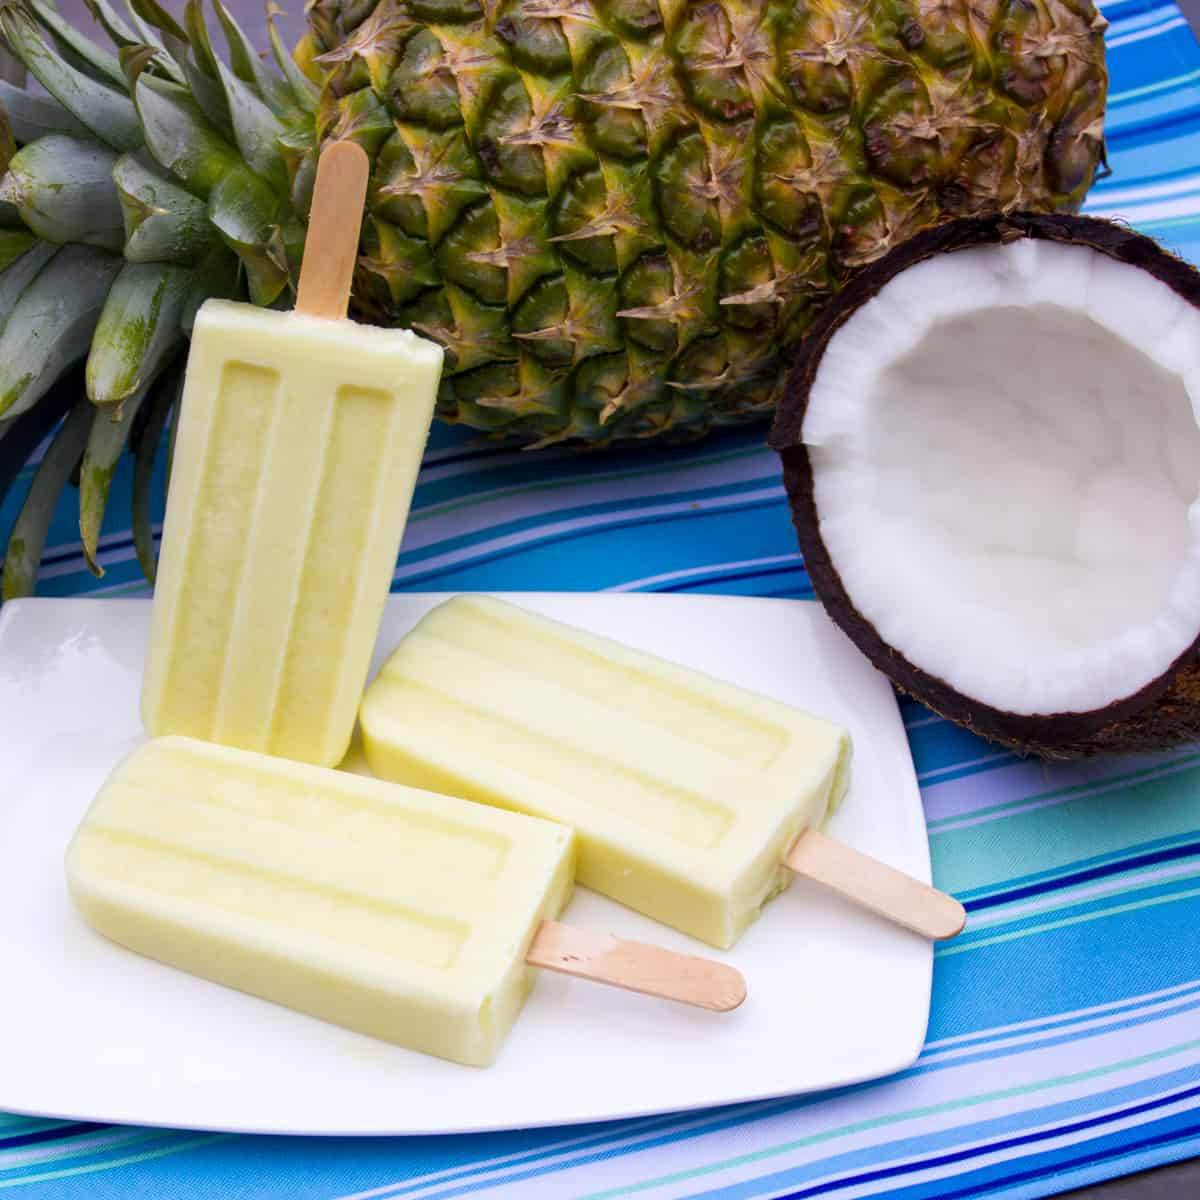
(295, 461)
(390, 911)
(686, 791)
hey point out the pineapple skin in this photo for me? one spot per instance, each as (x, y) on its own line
(617, 215)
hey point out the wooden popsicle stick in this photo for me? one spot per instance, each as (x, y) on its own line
(331, 246)
(876, 886)
(636, 967)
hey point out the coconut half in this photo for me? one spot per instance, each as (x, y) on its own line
(992, 452)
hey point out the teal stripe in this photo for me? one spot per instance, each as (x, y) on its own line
(1111, 776)
(427, 512)
(1156, 88)
(1104, 1017)
(897, 1118)
(1082, 864)
(174, 1147)
(1031, 927)
(1103, 817)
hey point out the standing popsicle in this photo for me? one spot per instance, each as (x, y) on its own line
(299, 440)
(394, 912)
(695, 801)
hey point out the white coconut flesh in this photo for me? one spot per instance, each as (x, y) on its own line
(1006, 464)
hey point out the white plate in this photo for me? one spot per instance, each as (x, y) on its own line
(93, 1032)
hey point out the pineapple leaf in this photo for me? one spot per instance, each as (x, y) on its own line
(18, 275)
(180, 137)
(218, 276)
(163, 221)
(32, 116)
(254, 126)
(249, 68)
(242, 58)
(141, 324)
(63, 190)
(122, 35)
(51, 324)
(101, 63)
(203, 72)
(153, 37)
(138, 329)
(303, 88)
(106, 440)
(134, 60)
(107, 113)
(163, 398)
(209, 96)
(157, 17)
(245, 212)
(256, 129)
(22, 435)
(8, 143)
(23, 557)
(119, 33)
(299, 149)
(241, 205)
(164, 32)
(14, 244)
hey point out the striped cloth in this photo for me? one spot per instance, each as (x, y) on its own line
(1064, 1041)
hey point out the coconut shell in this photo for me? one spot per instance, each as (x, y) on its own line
(1163, 714)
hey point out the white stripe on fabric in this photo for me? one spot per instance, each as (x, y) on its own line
(482, 549)
(1189, 185)
(1131, 881)
(1142, 213)
(517, 502)
(1142, 34)
(999, 1031)
(995, 754)
(588, 1139)
(767, 1152)
(986, 1159)
(434, 471)
(652, 581)
(860, 1112)
(1066, 795)
(763, 1139)
(1139, 20)
(72, 1147)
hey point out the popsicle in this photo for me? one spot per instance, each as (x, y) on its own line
(695, 801)
(298, 445)
(412, 917)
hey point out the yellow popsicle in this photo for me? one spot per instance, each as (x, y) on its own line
(413, 917)
(297, 452)
(390, 911)
(686, 792)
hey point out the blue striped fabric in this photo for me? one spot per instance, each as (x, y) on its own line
(1064, 1041)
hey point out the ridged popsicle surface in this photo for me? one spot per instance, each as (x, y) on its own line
(298, 449)
(686, 791)
(388, 910)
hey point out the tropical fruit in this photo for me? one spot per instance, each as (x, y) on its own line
(616, 215)
(991, 443)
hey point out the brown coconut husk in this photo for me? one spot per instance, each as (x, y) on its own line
(1161, 715)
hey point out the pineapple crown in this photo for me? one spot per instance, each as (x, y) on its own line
(146, 181)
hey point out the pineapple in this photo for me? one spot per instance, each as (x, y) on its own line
(615, 215)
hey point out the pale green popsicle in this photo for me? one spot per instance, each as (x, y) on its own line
(686, 791)
(390, 911)
(295, 461)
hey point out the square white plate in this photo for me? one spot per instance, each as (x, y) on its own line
(94, 1032)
